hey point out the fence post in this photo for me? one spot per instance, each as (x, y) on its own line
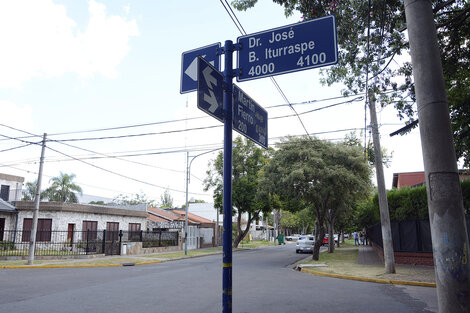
(103, 244)
(160, 239)
(120, 242)
(87, 238)
(141, 236)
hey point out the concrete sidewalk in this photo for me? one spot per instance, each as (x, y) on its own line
(367, 256)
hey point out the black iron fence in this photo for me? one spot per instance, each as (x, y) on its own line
(58, 243)
(407, 236)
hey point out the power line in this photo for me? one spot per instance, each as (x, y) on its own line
(237, 23)
(122, 175)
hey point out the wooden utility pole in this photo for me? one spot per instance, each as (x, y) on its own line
(444, 194)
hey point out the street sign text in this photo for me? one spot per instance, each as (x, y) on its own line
(288, 49)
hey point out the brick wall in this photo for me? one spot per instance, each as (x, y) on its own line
(408, 257)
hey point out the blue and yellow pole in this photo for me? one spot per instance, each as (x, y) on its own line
(227, 200)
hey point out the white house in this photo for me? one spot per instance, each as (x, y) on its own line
(11, 187)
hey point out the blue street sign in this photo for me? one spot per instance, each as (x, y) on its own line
(249, 118)
(287, 49)
(189, 65)
(209, 89)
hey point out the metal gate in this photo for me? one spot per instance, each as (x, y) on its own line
(112, 242)
(193, 234)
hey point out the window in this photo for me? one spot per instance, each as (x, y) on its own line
(90, 229)
(5, 192)
(134, 231)
(112, 231)
(44, 230)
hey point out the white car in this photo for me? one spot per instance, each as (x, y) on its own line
(305, 244)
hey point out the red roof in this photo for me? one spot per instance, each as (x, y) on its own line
(160, 215)
(193, 217)
(411, 179)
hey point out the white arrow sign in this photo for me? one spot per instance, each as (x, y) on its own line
(209, 89)
(210, 81)
(191, 71)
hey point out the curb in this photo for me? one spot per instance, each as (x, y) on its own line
(78, 266)
(373, 280)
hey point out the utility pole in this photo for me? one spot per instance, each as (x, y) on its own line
(187, 205)
(444, 194)
(389, 258)
(37, 200)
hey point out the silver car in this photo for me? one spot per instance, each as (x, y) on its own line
(305, 244)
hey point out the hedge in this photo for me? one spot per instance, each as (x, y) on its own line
(405, 203)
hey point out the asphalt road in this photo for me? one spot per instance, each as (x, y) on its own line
(263, 281)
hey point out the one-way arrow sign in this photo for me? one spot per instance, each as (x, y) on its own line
(189, 65)
(209, 89)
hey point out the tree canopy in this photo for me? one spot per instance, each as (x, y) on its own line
(63, 189)
(371, 37)
(325, 176)
(247, 160)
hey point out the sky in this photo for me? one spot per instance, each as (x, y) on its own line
(102, 79)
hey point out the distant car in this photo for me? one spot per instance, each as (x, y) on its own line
(293, 237)
(325, 239)
(305, 244)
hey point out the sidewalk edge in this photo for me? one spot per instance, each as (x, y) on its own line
(380, 281)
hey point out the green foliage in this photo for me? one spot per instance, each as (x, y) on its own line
(403, 204)
(248, 161)
(63, 189)
(166, 201)
(97, 202)
(321, 175)
(134, 200)
(29, 193)
(360, 58)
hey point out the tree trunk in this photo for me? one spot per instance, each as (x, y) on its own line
(319, 234)
(331, 237)
(241, 233)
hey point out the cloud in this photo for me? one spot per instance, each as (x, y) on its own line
(39, 39)
(14, 115)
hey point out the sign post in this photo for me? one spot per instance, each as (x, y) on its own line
(281, 50)
(227, 200)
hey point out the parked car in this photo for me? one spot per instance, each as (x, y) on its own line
(305, 244)
(325, 239)
(293, 237)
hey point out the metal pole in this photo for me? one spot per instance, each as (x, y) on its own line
(227, 198)
(187, 204)
(444, 194)
(34, 228)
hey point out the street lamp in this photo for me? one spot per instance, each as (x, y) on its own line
(188, 171)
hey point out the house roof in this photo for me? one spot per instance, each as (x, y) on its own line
(80, 208)
(408, 179)
(412, 179)
(193, 217)
(160, 215)
(11, 178)
(6, 207)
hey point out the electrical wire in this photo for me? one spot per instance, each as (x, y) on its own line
(237, 23)
(122, 175)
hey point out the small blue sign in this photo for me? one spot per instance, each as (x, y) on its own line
(249, 118)
(209, 89)
(189, 65)
(287, 49)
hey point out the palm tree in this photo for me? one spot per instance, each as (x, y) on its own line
(63, 189)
